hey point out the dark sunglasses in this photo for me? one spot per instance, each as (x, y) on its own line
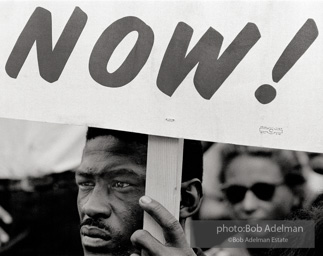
(264, 191)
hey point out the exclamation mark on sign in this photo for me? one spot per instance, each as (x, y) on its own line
(294, 50)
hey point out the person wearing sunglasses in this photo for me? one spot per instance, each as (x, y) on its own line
(259, 184)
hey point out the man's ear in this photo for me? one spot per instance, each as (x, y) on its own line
(191, 198)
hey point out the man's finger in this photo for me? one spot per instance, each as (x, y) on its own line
(4, 238)
(5, 216)
(172, 230)
(144, 240)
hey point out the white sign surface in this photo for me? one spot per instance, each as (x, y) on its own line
(241, 72)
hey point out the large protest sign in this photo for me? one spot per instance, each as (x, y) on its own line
(241, 72)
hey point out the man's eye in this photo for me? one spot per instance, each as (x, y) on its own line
(119, 184)
(86, 184)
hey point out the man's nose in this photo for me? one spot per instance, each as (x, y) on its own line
(249, 203)
(97, 204)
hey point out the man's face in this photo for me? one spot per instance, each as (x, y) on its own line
(257, 203)
(110, 186)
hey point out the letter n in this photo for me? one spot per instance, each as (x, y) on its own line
(38, 29)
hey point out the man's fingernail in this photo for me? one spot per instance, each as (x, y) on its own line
(134, 254)
(145, 199)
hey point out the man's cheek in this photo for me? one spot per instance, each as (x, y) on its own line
(135, 216)
(132, 197)
(80, 203)
(139, 213)
(80, 211)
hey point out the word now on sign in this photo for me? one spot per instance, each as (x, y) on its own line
(211, 72)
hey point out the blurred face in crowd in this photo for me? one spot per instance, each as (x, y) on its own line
(255, 188)
(110, 186)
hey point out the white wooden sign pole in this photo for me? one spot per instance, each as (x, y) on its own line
(163, 177)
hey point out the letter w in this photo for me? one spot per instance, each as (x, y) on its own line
(38, 29)
(211, 71)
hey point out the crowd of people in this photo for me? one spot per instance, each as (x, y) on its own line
(43, 211)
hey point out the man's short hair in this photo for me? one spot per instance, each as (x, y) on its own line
(287, 160)
(135, 145)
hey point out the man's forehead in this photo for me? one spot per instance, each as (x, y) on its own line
(118, 166)
(106, 154)
(107, 146)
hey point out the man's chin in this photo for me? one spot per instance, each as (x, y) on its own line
(98, 246)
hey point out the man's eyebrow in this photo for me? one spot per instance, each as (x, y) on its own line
(122, 172)
(85, 174)
(109, 173)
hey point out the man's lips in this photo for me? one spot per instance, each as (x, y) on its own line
(95, 232)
